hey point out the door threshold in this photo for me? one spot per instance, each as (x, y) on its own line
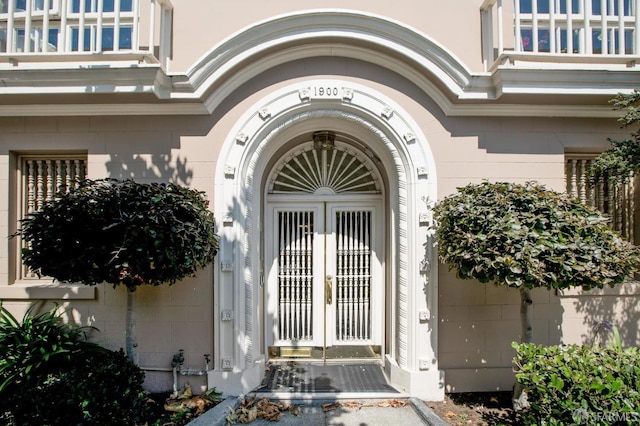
(357, 353)
(319, 378)
(314, 361)
(321, 396)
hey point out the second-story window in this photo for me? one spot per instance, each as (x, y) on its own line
(107, 6)
(577, 6)
(576, 26)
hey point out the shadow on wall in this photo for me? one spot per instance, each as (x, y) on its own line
(619, 306)
(155, 167)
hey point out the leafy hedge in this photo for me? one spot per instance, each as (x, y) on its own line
(572, 384)
(36, 344)
(94, 388)
(51, 375)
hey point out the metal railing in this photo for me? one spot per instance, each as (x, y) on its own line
(55, 27)
(571, 27)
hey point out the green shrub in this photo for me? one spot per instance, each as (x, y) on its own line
(120, 232)
(35, 345)
(94, 388)
(50, 375)
(572, 384)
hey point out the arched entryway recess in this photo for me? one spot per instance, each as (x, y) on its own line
(376, 127)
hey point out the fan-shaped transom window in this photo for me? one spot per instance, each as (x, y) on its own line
(325, 169)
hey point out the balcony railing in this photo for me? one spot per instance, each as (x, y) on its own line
(34, 28)
(571, 27)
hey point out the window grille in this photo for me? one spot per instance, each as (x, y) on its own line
(617, 202)
(41, 178)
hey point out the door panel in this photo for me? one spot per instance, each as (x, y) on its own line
(351, 313)
(297, 293)
(325, 281)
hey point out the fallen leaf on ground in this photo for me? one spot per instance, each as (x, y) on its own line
(395, 403)
(450, 414)
(264, 409)
(331, 406)
(352, 404)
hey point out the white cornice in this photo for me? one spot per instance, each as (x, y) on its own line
(66, 110)
(314, 33)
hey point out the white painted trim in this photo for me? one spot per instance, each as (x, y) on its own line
(34, 291)
(291, 37)
(404, 153)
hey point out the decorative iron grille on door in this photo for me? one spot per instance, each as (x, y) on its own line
(295, 275)
(353, 276)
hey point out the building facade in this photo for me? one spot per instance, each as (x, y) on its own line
(323, 133)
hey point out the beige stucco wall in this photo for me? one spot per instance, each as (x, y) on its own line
(200, 25)
(476, 322)
(169, 318)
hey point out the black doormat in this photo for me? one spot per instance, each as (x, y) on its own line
(309, 378)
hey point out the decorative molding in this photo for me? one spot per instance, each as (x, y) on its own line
(242, 139)
(424, 219)
(423, 172)
(266, 44)
(387, 112)
(229, 171)
(226, 364)
(347, 93)
(227, 219)
(409, 137)
(304, 93)
(264, 113)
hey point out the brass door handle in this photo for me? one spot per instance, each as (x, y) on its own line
(328, 289)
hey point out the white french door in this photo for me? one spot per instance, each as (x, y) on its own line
(324, 280)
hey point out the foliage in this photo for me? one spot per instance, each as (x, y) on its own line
(93, 388)
(35, 345)
(120, 232)
(575, 384)
(52, 376)
(622, 161)
(528, 236)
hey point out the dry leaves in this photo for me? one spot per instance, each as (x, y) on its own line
(394, 403)
(186, 402)
(249, 410)
(265, 409)
(450, 414)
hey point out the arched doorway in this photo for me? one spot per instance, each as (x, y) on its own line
(324, 252)
(385, 136)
